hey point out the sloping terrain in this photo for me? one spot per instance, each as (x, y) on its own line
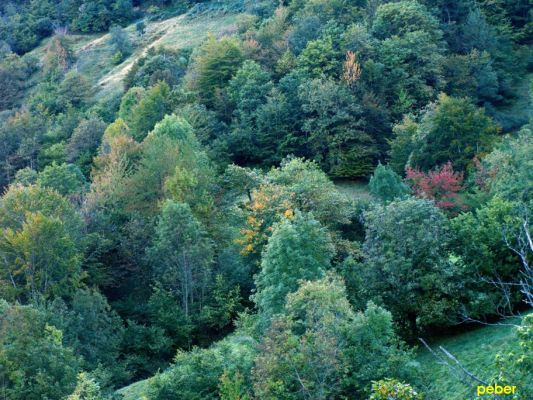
(475, 349)
(94, 53)
(135, 391)
(175, 33)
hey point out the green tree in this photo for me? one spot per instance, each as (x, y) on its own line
(84, 142)
(123, 11)
(129, 100)
(12, 80)
(222, 306)
(25, 177)
(66, 179)
(299, 248)
(181, 255)
(75, 89)
(35, 364)
(40, 259)
(411, 72)
(248, 90)
(171, 165)
(386, 185)
(410, 52)
(509, 167)
(140, 28)
(305, 29)
(319, 58)
(406, 266)
(41, 245)
(392, 389)
(401, 145)
(121, 43)
(479, 239)
(18, 201)
(165, 313)
(336, 129)
(472, 75)
(86, 389)
(314, 349)
(213, 66)
(296, 185)
(196, 374)
(402, 17)
(302, 354)
(159, 64)
(374, 328)
(232, 387)
(22, 137)
(90, 328)
(150, 109)
(452, 130)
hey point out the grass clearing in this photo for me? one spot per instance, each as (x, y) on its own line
(175, 33)
(93, 53)
(353, 189)
(135, 391)
(475, 349)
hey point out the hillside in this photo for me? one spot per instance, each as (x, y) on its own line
(93, 53)
(475, 349)
(264, 199)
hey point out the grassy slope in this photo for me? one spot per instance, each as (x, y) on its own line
(476, 349)
(93, 52)
(175, 33)
(353, 189)
(135, 391)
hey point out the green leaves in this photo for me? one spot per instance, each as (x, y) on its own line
(386, 185)
(298, 249)
(452, 130)
(319, 348)
(405, 254)
(35, 365)
(39, 260)
(181, 255)
(41, 245)
(214, 65)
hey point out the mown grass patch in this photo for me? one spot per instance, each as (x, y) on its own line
(475, 349)
(135, 391)
(353, 189)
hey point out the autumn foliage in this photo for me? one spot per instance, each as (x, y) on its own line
(442, 185)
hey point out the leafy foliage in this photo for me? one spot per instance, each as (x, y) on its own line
(313, 349)
(35, 365)
(406, 263)
(393, 389)
(454, 130)
(386, 185)
(189, 227)
(299, 249)
(442, 186)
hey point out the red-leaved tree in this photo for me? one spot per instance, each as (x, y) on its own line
(442, 185)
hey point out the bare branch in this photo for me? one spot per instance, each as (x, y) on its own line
(458, 363)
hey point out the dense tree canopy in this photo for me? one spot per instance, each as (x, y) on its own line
(261, 199)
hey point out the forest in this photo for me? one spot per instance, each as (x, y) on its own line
(264, 200)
